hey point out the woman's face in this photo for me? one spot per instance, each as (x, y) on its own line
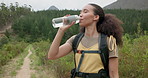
(87, 16)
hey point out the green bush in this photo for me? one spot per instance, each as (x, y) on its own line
(3, 40)
(39, 24)
(62, 66)
(133, 58)
(11, 50)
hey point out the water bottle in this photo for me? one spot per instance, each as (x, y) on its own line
(63, 21)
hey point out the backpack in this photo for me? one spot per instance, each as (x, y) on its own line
(104, 53)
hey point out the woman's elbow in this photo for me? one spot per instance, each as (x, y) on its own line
(52, 58)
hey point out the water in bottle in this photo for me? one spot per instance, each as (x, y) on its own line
(63, 21)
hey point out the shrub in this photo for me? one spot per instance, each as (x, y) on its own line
(11, 50)
(133, 58)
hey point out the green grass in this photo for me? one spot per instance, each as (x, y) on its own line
(12, 66)
(41, 70)
(133, 58)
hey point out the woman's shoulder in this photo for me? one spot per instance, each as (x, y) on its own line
(70, 40)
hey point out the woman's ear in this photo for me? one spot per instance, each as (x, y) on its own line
(96, 17)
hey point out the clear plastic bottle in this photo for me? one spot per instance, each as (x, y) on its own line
(63, 21)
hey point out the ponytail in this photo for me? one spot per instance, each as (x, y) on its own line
(111, 25)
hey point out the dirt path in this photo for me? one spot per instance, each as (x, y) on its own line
(29, 69)
(25, 71)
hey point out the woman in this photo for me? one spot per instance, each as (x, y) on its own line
(93, 23)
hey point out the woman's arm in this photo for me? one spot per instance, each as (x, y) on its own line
(57, 51)
(113, 67)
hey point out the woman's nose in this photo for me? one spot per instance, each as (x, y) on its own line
(80, 14)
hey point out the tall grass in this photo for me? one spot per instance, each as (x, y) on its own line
(11, 50)
(61, 66)
(11, 58)
(133, 58)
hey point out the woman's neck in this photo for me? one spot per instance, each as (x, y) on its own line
(91, 31)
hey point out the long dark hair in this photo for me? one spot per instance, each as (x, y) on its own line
(108, 24)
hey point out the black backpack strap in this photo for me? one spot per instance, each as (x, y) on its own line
(104, 52)
(75, 44)
(82, 52)
(76, 41)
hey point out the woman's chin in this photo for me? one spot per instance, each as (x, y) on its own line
(81, 25)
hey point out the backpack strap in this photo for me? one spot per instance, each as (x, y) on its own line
(104, 52)
(75, 44)
(76, 41)
(82, 52)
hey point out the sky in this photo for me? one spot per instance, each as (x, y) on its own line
(60, 4)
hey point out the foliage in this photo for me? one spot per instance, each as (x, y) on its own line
(3, 40)
(131, 19)
(12, 67)
(61, 66)
(12, 12)
(38, 25)
(133, 57)
(40, 50)
(11, 50)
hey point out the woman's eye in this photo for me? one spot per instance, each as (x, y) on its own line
(85, 11)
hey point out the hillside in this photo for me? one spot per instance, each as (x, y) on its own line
(128, 4)
(53, 8)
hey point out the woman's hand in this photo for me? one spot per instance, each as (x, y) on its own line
(64, 28)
